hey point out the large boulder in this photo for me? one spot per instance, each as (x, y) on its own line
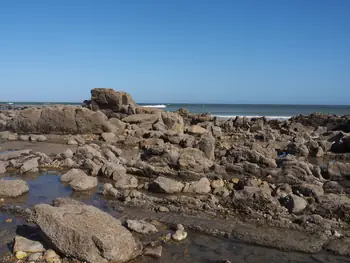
(166, 185)
(86, 233)
(111, 101)
(79, 180)
(58, 120)
(13, 188)
(194, 160)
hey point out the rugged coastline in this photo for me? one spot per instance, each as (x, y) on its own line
(280, 184)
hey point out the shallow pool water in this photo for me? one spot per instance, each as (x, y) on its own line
(197, 248)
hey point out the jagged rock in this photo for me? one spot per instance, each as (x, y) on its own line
(141, 226)
(100, 240)
(72, 142)
(27, 245)
(13, 188)
(166, 185)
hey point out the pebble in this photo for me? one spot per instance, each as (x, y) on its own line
(180, 227)
(336, 233)
(21, 255)
(154, 252)
(50, 256)
(34, 256)
(179, 235)
(163, 209)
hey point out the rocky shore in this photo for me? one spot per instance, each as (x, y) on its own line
(281, 184)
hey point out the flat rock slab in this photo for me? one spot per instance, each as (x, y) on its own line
(13, 188)
(27, 245)
(141, 227)
(86, 233)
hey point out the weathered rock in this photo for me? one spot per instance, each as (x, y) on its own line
(196, 130)
(113, 170)
(34, 257)
(88, 151)
(173, 121)
(27, 245)
(338, 170)
(3, 166)
(143, 120)
(50, 256)
(21, 255)
(125, 181)
(23, 137)
(200, 187)
(141, 226)
(332, 187)
(14, 154)
(13, 188)
(79, 180)
(207, 146)
(30, 165)
(294, 204)
(193, 159)
(111, 101)
(217, 183)
(86, 233)
(109, 137)
(166, 185)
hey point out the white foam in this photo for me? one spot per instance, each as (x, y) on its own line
(154, 106)
(251, 117)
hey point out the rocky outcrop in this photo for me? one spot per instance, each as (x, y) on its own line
(58, 120)
(86, 233)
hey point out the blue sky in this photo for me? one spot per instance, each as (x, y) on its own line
(216, 51)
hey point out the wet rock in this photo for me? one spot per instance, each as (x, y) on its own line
(200, 187)
(141, 227)
(79, 180)
(155, 252)
(13, 188)
(102, 239)
(30, 165)
(27, 245)
(125, 181)
(166, 185)
(196, 130)
(179, 235)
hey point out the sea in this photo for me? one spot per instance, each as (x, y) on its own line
(270, 111)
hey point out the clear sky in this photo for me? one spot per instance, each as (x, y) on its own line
(229, 51)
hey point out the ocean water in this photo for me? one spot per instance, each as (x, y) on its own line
(271, 111)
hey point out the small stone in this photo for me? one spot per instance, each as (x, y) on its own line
(27, 245)
(154, 252)
(217, 183)
(235, 180)
(336, 233)
(163, 209)
(72, 142)
(179, 235)
(50, 256)
(34, 257)
(8, 220)
(141, 226)
(21, 255)
(180, 227)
